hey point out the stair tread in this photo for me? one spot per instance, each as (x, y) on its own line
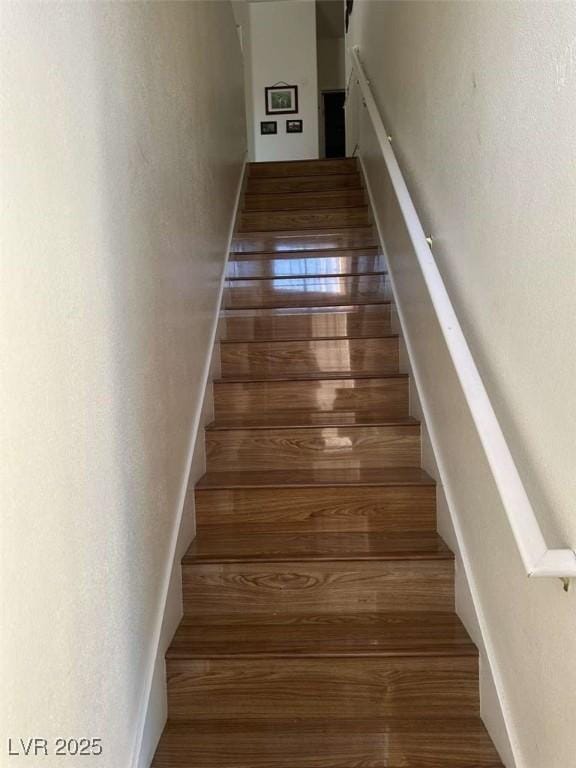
(408, 633)
(299, 339)
(288, 255)
(310, 478)
(293, 419)
(233, 544)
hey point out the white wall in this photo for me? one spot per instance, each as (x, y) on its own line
(282, 47)
(122, 144)
(480, 100)
(331, 58)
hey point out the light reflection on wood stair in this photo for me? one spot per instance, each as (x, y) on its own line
(314, 322)
(362, 261)
(319, 627)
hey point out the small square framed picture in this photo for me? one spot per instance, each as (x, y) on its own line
(268, 127)
(293, 126)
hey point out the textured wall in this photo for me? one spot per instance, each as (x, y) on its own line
(282, 47)
(480, 99)
(122, 140)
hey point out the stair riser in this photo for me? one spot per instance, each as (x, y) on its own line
(325, 356)
(313, 448)
(329, 509)
(266, 221)
(330, 687)
(304, 201)
(289, 185)
(416, 743)
(259, 242)
(307, 292)
(256, 589)
(387, 396)
(314, 265)
(247, 325)
(282, 169)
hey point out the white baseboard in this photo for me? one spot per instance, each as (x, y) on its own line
(153, 708)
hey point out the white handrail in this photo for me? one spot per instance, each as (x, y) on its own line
(537, 558)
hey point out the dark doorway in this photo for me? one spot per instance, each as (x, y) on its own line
(334, 123)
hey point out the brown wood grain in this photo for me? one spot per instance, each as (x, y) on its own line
(304, 200)
(317, 586)
(323, 508)
(312, 264)
(336, 687)
(302, 241)
(302, 168)
(321, 447)
(322, 322)
(265, 221)
(375, 356)
(328, 743)
(283, 635)
(307, 292)
(297, 184)
(231, 544)
(385, 394)
(294, 419)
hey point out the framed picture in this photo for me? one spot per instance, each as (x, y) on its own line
(268, 127)
(293, 126)
(281, 99)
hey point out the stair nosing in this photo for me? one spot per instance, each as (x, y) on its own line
(303, 484)
(311, 338)
(463, 650)
(319, 377)
(424, 481)
(306, 277)
(326, 308)
(307, 211)
(305, 306)
(301, 253)
(368, 228)
(315, 228)
(213, 426)
(191, 561)
(318, 209)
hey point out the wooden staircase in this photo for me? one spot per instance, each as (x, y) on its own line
(319, 627)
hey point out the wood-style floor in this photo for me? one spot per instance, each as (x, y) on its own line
(319, 628)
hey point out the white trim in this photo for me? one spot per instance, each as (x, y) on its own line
(137, 757)
(537, 558)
